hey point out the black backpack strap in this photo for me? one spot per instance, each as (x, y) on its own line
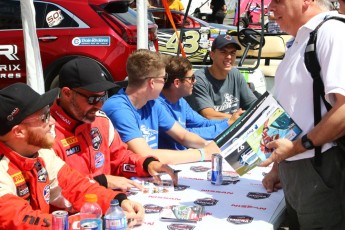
(313, 66)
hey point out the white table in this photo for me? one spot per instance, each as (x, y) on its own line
(232, 200)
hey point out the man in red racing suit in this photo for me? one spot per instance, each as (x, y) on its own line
(85, 137)
(32, 176)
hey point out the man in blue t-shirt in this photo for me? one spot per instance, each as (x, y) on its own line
(139, 118)
(221, 89)
(180, 84)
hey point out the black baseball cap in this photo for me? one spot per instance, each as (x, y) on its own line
(18, 101)
(84, 73)
(224, 40)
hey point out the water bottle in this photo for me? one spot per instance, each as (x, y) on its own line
(115, 218)
(91, 213)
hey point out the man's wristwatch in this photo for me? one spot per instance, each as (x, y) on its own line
(307, 143)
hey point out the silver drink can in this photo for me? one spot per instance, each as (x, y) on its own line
(216, 173)
(60, 220)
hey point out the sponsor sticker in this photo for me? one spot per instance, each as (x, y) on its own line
(258, 195)
(152, 208)
(199, 168)
(181, 187)
(240, 219)
(206, 201)
(22, 190)
(91, 41)
(54, 18)
(181, 227)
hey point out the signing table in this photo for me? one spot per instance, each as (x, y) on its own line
(242, 204)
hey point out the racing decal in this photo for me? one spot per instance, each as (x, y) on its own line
(18, 178)
(69, 141)
(208, 201)
(180, 227)
(96, 138)
(99, 160)
(91, 41)
(181, 187)
(152, 208)
(258, 195)
(73, 150)
(129, 168)
(199, 168)
(23, 190)
(46, 193)
(9, 51)
(42, 173)
(240, 219)
(54, 18)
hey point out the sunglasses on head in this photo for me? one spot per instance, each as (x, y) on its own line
(92, 100)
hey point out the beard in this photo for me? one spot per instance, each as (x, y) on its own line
(45, 141)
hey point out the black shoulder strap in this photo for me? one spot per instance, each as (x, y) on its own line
(313, 66)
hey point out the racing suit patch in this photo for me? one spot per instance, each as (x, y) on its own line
(99, 160)
(73, 150)
(46, 193)
(96, 138)
(129, 168)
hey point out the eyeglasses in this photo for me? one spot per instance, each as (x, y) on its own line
(92, 100)
(192, 78)
(44, 117)
(165, 77)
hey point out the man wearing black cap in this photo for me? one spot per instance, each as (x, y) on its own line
(32, 176)
(86, 138)
(221, 89)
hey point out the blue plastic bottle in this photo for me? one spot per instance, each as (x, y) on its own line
(91, 213)
(115, 218)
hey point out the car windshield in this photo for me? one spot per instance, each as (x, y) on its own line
(129, 18)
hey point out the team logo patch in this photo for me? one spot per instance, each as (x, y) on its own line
(180, 187)
(206, 201)
(46, 193)
(99, 160)
(96, 138)
(152, 208)
(41, 172)
(199, 168)
(22, 190)
(258, 195)
(73, 150)
(180, 227)
(240, 219)
(129, 168)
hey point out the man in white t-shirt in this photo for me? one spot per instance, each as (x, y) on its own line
(314, 192)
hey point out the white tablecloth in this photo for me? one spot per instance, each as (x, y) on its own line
(236, 199)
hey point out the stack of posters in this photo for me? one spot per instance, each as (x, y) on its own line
(243, 144)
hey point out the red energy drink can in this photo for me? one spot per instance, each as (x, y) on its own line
(60, 220)
(217, 169)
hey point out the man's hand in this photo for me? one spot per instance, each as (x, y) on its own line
(235, 116)
(134, 212)
(122, 183)
(282, 149)
(271, 181)
(155, 168)
(211, 148)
